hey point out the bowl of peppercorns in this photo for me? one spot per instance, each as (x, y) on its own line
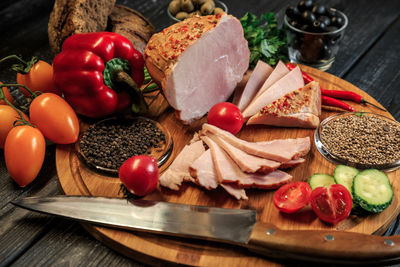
(314, 32)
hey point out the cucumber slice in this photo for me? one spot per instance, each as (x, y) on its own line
(372, 190)
(321, 179)
(344, 175)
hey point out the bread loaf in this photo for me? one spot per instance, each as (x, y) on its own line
(77, 16)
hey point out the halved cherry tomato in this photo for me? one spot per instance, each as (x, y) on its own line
(24, 152)
(226, 116)
(291, 197)
(39, 78)
(55, 118)
(7, 118)
(331, 204)
(7, 95)
(139, 174)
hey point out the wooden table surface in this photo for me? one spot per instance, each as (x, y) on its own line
(367, 58)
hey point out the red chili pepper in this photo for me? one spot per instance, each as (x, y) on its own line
(330, 101)
(347, 95)
(86, 68)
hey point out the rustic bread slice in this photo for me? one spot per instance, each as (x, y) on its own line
(300, 108)
(77, 16)
(131, 24)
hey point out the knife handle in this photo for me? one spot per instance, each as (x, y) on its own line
(321, 245)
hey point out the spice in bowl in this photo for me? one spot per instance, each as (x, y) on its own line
(364, 140)
(109, 143)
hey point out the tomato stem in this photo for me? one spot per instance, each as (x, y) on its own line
(23, 66)
(20, 85)
(22, 120)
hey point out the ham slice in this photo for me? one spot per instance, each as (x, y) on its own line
(246, 162)
(228, 172)
(235, 191)
(198, 62)
(202, 169)
(253, 85)
(288, 83)
(299, 108)
(178, 171)
(292, 163)
(281, 150)
(279, 71)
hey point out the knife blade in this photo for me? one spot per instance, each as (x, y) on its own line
(232, 226)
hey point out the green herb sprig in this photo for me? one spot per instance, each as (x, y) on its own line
(267, 42)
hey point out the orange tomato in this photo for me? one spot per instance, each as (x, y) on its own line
(7, 95)
(24, 153)
(39, 78)
(55, 118)
(7, 117)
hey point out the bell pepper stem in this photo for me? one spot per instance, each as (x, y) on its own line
(123, 77)
(21, 120)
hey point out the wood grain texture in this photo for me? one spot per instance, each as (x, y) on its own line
(77, 179)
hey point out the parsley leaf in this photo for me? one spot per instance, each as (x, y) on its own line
(267, 42)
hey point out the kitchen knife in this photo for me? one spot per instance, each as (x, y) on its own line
(233, 226)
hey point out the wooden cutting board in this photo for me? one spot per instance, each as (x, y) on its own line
(77, 179)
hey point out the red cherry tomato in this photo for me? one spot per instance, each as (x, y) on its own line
(24, 152)
(6, 95)
(291, 197)
(331, 204)
(7, 118)
(55, 118)
(39, 78)
(226, 116)
(139, 174)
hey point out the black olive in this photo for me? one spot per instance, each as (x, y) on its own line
(331, 28)
(294, 24)
(305, 5)
(305, 28)
(319, 10)
(326, 52)
(325, 20)
(338, 21)
(308, 17)
(292, 12)
(330, 12)
(318, 26)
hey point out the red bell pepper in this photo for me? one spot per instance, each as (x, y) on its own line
(85, 72)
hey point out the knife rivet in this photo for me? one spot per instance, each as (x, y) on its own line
(329, 238)
(388, 242)
(270, 231)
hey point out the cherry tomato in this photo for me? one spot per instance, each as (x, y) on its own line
(226, 116)
(7, 95)
(39, 78)
(331, 204)
(55, 118)
(7, 117)
(24, 152)
(139, 174)
(291, 197)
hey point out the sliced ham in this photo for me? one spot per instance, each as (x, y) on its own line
(281, 150)
(279, 71)
(253, 85)
(229, 172)
(235, 191)
(300, 108)
(198, 62)
(202, 169)
(288, 83)
(178, 171)
(246, 162)
(292, 163)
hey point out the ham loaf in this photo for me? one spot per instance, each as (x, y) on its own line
(198, 62)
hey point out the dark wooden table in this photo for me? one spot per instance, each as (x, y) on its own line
(367, 58)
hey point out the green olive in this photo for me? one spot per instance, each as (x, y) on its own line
(181, 15)
(194, 13)
(218, 10)
(174, 7)
(207, 8)
(199, 2)
(187, 5)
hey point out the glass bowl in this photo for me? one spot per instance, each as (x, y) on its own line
(317, 50)
(218, 3)
(161, 150)
(360, 145)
